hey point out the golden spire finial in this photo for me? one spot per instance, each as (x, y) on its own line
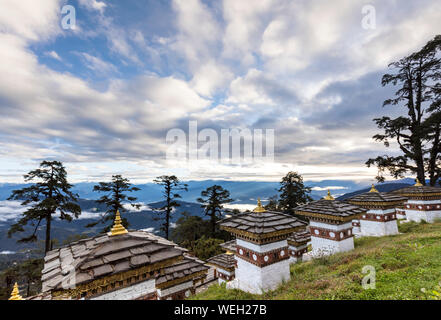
(15, 295)
(418, 183)
(373, 189)
(259, 207)
(118, 228)
(329, 197)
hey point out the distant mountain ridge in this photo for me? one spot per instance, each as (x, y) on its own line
(62, 230)
(241, 191)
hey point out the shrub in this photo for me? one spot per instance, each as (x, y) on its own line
(408, 227)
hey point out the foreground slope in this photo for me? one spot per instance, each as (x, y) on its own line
(404, 264)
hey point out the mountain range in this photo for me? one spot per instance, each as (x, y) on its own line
(244, 193)
(91, 211)
(241, 191)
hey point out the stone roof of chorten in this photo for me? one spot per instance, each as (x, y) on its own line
(329, 210)
(184, 268)
(106, 255)
(300, 237)
(261, 224)
(375, 198)
(108, 258)
(103, 255)
(224, 261)
(419, 190)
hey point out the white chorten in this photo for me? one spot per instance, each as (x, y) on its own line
(330, 225)
(262, 252)
(298, 245)
(381, 218)
(423, 202)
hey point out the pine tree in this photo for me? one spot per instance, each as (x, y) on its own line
(212, 200)
(417, 131)
(293, 192)
(51, 193)
(114, 199)
(171, 184)
(30, 270)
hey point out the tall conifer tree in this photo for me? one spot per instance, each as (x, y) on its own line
(417, 131)
(212, 200)
(171, 184)
(49, 193)
(293, 192)
(114, 198)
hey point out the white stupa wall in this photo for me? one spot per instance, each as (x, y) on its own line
(180, 287)
(335, 227)
(130, 293)
(262, 248)
(379, 228)
(323, 247)
(254, 279)
(420, 213)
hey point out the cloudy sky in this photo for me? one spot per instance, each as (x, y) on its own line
(101, 97)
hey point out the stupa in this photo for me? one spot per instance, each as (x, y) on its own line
(423, 202)
(224, 265)
(330, 225)
(298, 245)
(381, 217)
(120, 265)
(262, 251)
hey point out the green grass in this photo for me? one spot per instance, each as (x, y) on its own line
(404, 264)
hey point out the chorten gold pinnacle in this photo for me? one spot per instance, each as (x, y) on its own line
(329, 197)
(373, 189)
(418, 183)
(15, 295)
(118, 228)
(259, 207)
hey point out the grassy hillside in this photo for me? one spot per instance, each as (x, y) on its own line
(405, 264)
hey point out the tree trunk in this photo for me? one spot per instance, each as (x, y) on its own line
(168, 211)
(433, 176)
(213, 223)
(28, 289)
(421, 175)
(167, 222)
(419, 158)
(48, 233)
